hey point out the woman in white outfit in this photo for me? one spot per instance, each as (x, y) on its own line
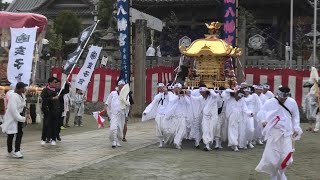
(13, 119)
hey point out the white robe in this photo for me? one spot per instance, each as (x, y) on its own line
(278, 134)
(310, 105)
(253, 128)
(223, 121)
(78, 101)
(263, 98)
(67, 103)
(235, 113)
(176, 117)
(117, 116)
(156, 110)
(210, 118)
(197, 107)
(12, 115)
(269, 94)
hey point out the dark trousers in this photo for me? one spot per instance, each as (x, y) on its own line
(59, 124)
(49, 128)
(18, 139)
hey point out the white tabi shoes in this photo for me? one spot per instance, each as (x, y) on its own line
(161, 144)
(118, 144)
(178, 146)
(114, 144)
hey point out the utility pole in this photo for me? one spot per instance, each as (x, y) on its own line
(315, 9)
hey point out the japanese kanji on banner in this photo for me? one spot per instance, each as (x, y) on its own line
(229, 26)
(124, 38)
(84, 75)
(21, 55)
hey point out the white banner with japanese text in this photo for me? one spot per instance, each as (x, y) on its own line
(84, 75)
(21, 55)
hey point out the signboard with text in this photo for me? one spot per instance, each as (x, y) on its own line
(21, 55)
(229, 26)
(124, 38)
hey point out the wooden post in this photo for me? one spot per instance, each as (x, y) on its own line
(242, 45)
(139, 68)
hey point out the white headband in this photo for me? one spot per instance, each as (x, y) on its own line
(121, 82)
(266, 86)
(244, 84)
(229, 90)
(259, 88)
(202, 89)
(178, 85)
(247, 90)
(160, 85)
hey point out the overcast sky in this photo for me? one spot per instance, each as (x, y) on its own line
(7, 1)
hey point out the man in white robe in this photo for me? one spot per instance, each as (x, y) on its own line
(210, 119)
(236, 111)
(258, 137)
(259, 91)
(176, 116)
(195, 124)
(254, 104)
(223, 121)
(267, 92)
(117, 115)
(280, 116)
(156, 109)
(310, 108)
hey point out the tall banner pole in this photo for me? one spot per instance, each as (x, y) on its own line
(78, 57)
(291, 32)
(124, 38)
(315, 33)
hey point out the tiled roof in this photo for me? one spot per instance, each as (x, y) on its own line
(175, 2)
(157, 1)
(25, 5)
(54, 12)
(35, 6)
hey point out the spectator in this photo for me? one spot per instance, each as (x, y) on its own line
(13, 119)
(51, 112)
(78, 101)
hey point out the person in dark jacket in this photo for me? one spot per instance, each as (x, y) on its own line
(51, 111)
(64, 91)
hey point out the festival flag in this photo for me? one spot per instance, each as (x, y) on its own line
(85, 34)
(21, 54)
(75, 55)
(85, 73)
(100, 120)
(71, 60)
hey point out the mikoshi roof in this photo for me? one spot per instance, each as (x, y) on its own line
(211, 45)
